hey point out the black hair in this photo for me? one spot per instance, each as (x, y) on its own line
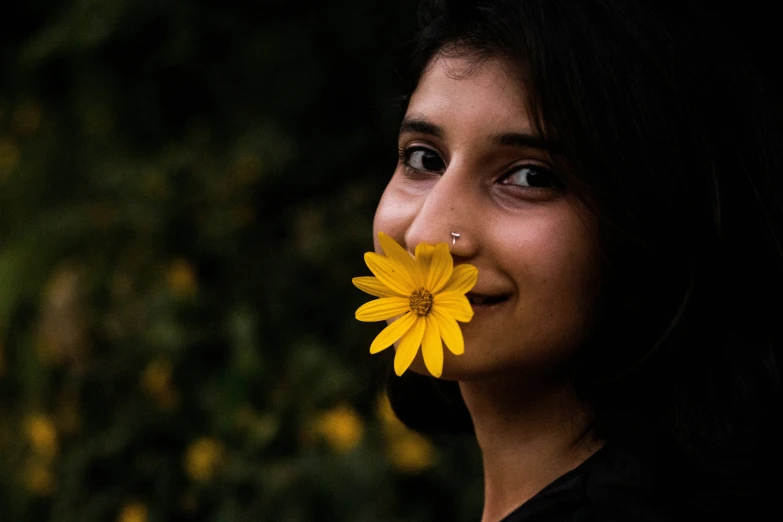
(673, 137)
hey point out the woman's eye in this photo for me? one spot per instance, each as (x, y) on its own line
(530, 176)
(421, 158)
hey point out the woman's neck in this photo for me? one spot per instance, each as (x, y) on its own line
(527, 440)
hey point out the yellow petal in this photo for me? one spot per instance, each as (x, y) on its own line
(389, 273)
(393, 332)
(432, 348)
(454, 304)
(449, 332)
(382, 309)
(409, 346)
(463, 279)
(373, 286)
(424, 258)
(441, 267)
(401, 256)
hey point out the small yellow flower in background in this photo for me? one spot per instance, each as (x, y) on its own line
(182, 279)
(156, 382)
(408, 451)
(156, 377)
(62, 334)
(341, 428)
(203, 458)
(39, 478)
(411, 453)
(42, 435)
(134, 512)
(426, 293)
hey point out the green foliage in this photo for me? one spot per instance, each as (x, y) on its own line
(185, 192)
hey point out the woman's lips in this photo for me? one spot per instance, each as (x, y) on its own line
(485, 301)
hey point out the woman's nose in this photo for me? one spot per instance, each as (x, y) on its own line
(444, 216)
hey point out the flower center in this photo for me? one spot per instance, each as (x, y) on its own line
(421, 301)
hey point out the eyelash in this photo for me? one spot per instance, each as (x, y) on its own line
(405, 157)
(405, 153)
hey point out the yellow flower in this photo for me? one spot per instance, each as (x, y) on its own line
(42, 435)
(182, 279)
(408, 451)
(341, 427)
(426, 294)
(156, 377)
(411, 453)
(156, 381)
(39, 479)
(203, 458)
(133, 512)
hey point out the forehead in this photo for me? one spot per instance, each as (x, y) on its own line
(466, 90)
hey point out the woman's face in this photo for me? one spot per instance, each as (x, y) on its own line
(471, 163)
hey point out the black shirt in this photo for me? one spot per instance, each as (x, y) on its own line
(610, 486)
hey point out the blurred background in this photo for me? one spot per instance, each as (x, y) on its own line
(186, 191)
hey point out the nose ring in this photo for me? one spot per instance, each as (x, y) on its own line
(454, 237)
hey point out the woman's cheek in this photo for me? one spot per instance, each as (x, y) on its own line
(393, 215)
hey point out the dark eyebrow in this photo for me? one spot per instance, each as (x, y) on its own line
(507, 139)
(527, 141)
(421, 127)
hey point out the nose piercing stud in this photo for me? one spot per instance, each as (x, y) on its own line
(454, 237)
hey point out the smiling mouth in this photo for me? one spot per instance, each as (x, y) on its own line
(485, 301)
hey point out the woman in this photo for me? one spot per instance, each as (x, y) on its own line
(612, 168)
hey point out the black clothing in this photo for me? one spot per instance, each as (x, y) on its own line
(610, 486)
